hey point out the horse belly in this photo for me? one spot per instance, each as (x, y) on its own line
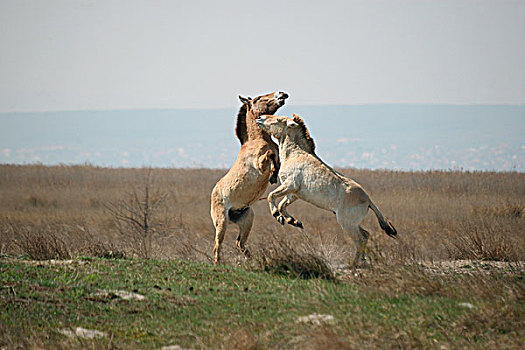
(314, 185)
(320, 193)
(319, 200)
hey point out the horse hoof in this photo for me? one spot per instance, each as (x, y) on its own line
(273, 180)
(299, 224)
(276, 214)
(281, 220)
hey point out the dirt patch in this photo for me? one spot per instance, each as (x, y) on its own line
(446, 267)
(52, 262)
(472, 266)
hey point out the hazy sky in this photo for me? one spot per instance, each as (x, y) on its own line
(91, 54)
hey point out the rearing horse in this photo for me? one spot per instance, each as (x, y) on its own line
(305, 176)
(256, 164)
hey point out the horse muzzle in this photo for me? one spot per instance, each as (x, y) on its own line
(260, 120)
(281, 97)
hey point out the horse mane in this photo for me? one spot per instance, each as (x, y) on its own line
(310, 144)
(241, 130)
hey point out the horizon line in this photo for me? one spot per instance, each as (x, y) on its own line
(229, 108)
(162, 167)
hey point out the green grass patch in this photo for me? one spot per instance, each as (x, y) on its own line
(197, 305)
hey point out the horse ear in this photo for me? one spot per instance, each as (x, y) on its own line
(244, 100)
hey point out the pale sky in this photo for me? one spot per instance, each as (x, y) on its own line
(102, 54)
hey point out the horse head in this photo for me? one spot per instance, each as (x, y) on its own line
(265, 104)
(254, 107)
(274, 125)
(280, 126)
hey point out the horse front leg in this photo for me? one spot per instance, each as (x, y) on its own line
(220, 222)
(287, 200)
(276, 166)
(280, 191)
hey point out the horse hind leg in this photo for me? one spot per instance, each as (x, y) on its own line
(245, 223)
(360, 238)
(363, 246)
(350, 219)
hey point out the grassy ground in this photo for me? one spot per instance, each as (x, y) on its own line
(196, 305)
(461, 240)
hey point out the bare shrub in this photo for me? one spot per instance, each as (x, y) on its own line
(283, 257)
(100, 249)
(400, 251)
(480, 239)
(41, 242)
(137, 216)
(37, 201)
(191, 251)
(58, 241)
(511, 211)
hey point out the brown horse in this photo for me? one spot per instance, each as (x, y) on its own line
(256, 164)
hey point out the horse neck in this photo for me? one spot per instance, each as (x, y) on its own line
(252, 130)
(291, 143)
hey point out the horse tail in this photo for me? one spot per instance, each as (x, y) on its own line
(385, 224)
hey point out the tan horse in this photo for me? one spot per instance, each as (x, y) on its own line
(305, 176)
(256, 164)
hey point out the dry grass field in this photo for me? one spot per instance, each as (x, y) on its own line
(453, 279)
(65, 211)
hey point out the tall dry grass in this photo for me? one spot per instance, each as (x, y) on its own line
(61, 211)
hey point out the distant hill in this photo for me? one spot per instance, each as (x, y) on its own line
(408, 137)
